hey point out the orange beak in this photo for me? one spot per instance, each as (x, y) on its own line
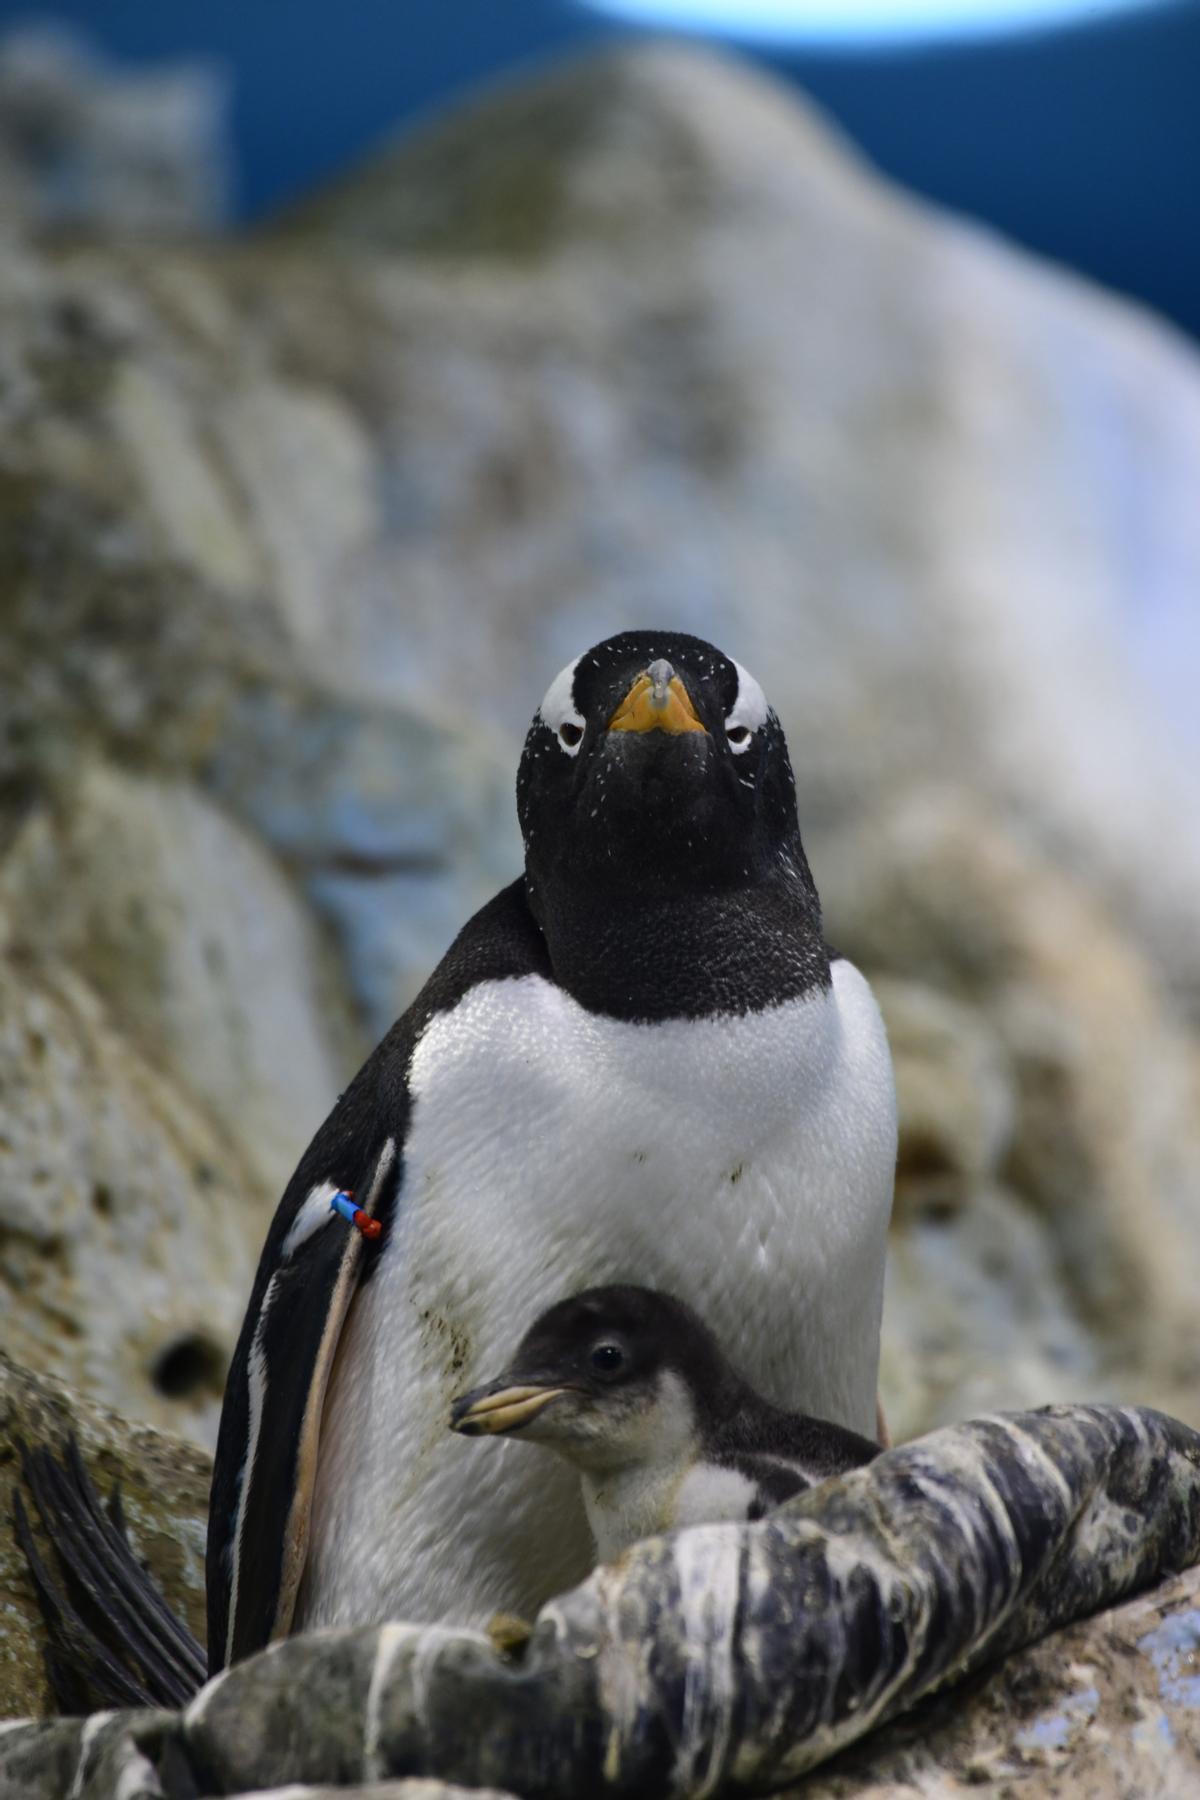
(655, 704)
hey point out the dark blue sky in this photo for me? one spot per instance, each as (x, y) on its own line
(1083, 143)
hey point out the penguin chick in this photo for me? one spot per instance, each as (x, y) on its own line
(632, 1388)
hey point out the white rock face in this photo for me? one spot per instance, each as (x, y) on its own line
(125, 1247)
(717, 373)
(84, 145)
(1048, 1197)
(293, 535)
(197, 945)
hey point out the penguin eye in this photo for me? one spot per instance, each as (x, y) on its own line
(570, 735)
(738, 736)
(607, 1359)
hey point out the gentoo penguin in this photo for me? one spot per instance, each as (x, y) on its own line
(633, 1389)
(640, 1061)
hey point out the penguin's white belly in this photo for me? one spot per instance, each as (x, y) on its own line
(744, 1164)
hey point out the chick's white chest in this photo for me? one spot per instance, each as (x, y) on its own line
(744, 1164)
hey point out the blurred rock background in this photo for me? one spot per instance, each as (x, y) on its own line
(294, 531)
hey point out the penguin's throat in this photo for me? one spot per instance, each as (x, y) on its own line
(631, 1483)
(692, 955)
(630, 1504)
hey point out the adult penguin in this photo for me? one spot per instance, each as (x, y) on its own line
(640, 1062)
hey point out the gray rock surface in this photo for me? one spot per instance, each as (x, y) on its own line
(418, 1788)
(1108, 1709)
(678, 355)
(126, 1249)
(195, 941)
(1065, 1263)
(734, 1658)
(219, 876)
(87, 146)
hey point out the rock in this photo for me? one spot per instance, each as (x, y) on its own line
(190, 512)
(955, 1093)
(443, 460)
(1068, 1268)
(977, 1316)
(395, 816)
(677, 355)
(397, 827)
(211, 1029)
(164, 1492)
(304, 467)
(735, 1658)
(1105, 1710)
(84, 145)
(127, 1245)
(197, 946)
(416, 1789)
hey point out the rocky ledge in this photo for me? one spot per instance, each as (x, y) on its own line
(731, 1659)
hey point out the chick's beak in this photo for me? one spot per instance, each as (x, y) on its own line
(657, 701)
(496, 1408)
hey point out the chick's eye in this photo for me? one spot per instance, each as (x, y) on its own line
(607, 1359)
(570, 734)
(739, 736)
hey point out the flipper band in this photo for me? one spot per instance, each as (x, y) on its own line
(343, 1203)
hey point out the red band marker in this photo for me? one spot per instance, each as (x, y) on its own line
(343, 1203)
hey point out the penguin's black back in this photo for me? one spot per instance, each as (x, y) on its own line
(782, 1453)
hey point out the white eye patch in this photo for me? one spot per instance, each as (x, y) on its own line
(559, 712)
(748, 713)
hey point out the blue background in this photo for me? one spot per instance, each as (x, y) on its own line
(1083, 142)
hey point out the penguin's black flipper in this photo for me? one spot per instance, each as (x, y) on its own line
(309, 1271)
(266, 1460)
(113, 1640)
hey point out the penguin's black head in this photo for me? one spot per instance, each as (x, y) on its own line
(606, 1378)
(655, 765)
